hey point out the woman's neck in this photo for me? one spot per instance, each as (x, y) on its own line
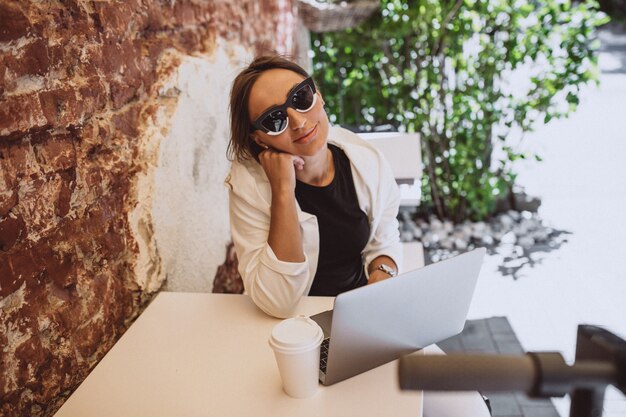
(319, 169)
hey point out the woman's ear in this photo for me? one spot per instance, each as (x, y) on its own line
(256, 139)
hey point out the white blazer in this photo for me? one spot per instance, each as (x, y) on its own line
(276, 286)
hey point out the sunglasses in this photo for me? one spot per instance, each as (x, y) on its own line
(275, 121)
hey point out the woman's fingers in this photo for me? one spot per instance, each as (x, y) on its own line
(269, 153)
(298, 162)
(279, 168)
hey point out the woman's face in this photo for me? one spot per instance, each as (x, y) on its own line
(306, 133)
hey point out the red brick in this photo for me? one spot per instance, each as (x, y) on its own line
(92, 99)
(65, 317)
(79, 19)
(61, 293)
(112, 59)
(3, 69)
(28, 352)
(190, 39)
(37, 204)
(8, 191)
(62, 205)
(42, 372)
(54, 153)
(56, 266)
(21, 113)
(31, 59)
(115, 17)
(11, 229)
(79, 56)
(88, 339)
(35, 59)
(126, 86)
(9, 281)
(58, 60)
(127, 122)
(122, 93)
(8, 200)
(14, 24)
(93, 178)
(92, 60)
(184, 14)
(19, 267)
(60, 106)
(66, 18)
(18, 160)
(158, 18)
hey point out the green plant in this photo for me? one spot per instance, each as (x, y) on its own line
(442, 68)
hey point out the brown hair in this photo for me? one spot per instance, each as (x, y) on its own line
(241, 147)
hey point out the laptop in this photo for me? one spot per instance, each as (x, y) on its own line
(375, 324)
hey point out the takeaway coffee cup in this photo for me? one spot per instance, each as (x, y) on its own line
(296, 343)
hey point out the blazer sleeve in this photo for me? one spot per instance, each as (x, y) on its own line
(385, 239)
(275, 286)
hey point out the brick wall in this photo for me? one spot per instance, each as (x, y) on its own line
(80, 94)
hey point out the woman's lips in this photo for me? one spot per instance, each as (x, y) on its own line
(307, 137)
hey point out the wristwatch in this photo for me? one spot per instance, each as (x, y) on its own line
(388, 270)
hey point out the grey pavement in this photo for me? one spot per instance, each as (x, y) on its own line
(582, 184)
(494, 335)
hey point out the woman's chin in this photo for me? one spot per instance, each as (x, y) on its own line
(314, 144)
(311, 151)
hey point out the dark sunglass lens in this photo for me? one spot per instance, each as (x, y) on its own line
(275, 121)
(303, 98)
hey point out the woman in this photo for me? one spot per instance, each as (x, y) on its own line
(313, 208)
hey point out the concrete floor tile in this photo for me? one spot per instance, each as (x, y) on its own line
(510, 349)
(523, 400)
(499, 325)
(539, 411)
(503, 404)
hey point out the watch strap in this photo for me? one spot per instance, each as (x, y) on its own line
(388, 270)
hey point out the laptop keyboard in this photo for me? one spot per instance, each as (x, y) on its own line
(324, 354)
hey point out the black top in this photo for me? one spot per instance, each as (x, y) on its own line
(343, 228)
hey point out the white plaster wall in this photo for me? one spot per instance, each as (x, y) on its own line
(190, 205)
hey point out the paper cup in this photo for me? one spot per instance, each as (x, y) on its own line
(296, 344)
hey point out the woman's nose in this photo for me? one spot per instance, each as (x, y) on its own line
(297, 119)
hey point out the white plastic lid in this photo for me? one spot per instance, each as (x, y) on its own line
(296, 334)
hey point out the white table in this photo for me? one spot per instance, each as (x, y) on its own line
(198, 354)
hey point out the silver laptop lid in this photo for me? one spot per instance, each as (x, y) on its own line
(378, 323)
